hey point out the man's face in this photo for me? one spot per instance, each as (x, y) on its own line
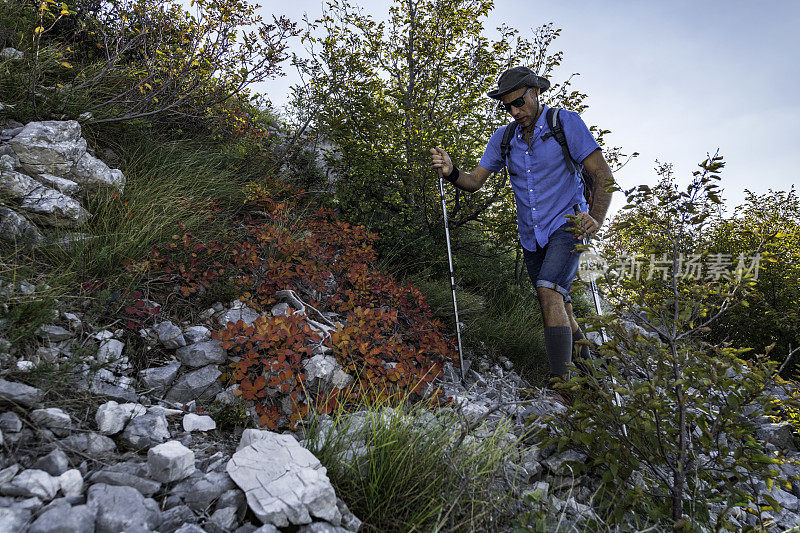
(524, 115)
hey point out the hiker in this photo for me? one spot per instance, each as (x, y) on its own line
(547, 187)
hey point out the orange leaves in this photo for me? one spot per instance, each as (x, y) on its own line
(389, 341)
(252, 390)
(271, 351)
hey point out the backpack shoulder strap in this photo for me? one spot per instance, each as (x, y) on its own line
(558, 133)
(505, 144)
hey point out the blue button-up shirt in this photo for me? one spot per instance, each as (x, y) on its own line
(544, 189)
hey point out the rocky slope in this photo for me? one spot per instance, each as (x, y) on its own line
(145, 456)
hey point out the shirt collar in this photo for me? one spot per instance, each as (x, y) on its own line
(540, 123)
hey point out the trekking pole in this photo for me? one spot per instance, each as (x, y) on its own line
(599, 308)
(452, 276)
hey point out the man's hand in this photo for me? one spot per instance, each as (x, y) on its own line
(586, 224)
(441, 162)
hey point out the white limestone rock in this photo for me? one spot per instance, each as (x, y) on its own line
(284, 483)
(238, 311)
(225, 518)
(779, 434)
(105, 383)
(54, 463)
(49, 147)
(48, 354)
(169, 335)
(62, 185)
(322, 527)
(92, 444)
(112, 417)
(53, 333)
(280, 309)
(16, 185)
(52, 418)
(146, 431)
(110, 350)
(14, 519)
(166, 411)
(62, 518)
(170, 461)
(7, 474)
(10, 422)
(228, 395)
(71, 483)
(200, 384)
(194, 422)
(102, 335)
(325, 369)
(160, 378)
(18, 393)
(200, 491)
(54, 208)
(555, 462)
(93, 174)
(73, 320)
(25, 366)
(129, 474)
(122, 508)
(11, 54)
(16, 228)
(202, 353)
(197, 334)
(32, 483)
(251, 435)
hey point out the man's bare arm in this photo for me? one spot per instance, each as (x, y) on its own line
(472, 181)
(597, 167)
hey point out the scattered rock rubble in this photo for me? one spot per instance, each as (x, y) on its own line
(149, 459)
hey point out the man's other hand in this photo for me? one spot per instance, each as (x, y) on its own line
(588, 225)
(440, 161)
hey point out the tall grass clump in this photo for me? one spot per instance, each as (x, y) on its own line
(173, 187)
(408, 468)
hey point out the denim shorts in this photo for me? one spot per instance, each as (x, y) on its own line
(554, 266)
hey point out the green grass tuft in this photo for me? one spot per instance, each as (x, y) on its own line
(408, 469)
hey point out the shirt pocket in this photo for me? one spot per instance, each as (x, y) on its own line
(549, 163)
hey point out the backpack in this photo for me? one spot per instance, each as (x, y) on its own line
(557, 131)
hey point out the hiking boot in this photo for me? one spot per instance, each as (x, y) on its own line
(552, 393)
(558, 397)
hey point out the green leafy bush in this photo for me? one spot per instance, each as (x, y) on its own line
(660, 412)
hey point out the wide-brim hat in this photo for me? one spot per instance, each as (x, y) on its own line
(516, 78)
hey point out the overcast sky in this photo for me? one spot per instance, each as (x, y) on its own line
(672, 80)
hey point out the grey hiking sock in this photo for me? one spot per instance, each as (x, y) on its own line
(558, 345)
(583, 353)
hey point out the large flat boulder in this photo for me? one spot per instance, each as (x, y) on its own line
(284, 483)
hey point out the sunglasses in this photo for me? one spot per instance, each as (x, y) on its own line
(519, 102)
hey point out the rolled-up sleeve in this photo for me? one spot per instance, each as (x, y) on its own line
(580, 140)
(492, 159)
